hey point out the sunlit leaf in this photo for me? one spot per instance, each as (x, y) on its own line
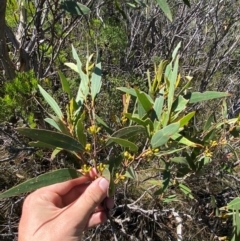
(51, 102)
(162, 136)
(208, 95)
(52, 123)
(184, 120)
(72, 66)
(183, 140)
(55, 152)
(165, 8)
(186, 190)
(96, 81)
(43, 180)
(130, 91)
(158, 104)
(83, 89)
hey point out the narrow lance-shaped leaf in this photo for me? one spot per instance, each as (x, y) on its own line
(128, 132)
(65, 84)
(52, 138)
(130, 91)
(52, 123)
(83, 89)
(111, 189)
(158, 104)
(51, 102)
(208, 95)
(161, 137)
(165, 8)
(123, 143)
(80, 133)
(72, 66)
(96, 81)
(44, 180)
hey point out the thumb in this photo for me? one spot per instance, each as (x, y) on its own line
(92, 197)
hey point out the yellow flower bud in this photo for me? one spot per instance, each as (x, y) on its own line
(88, 147)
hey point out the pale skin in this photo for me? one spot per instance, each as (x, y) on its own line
(63, 211)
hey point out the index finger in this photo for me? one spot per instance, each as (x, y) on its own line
(64, 187)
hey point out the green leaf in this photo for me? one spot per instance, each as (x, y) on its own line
(72, 66)
(81, 136)
(74, 7)
(170, 198)
(51, 102)
(52, 123)
(208, 95)
(123, 143)
(183, 140)
(145, 100)
(55, 152)
(130, 173)
(146, 123)
(179, 160)
(130, 91)
(65, 84)
(165, 8)
(209, 122)
(96, 81)
(83, 89)
(128, 132)
(111, 189)
(43, 180)
(161, 137)
(141, 110)
(158, 104)
(40, 144)
(179, 104)
(184, 120)
(63, 128)
(52, 138)
(174, 54)
(234, 202)
(186, 190)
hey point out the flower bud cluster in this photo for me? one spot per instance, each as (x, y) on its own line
(93, 129)
(101, 167)
(128, 156)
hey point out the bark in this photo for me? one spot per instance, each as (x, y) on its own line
(5, 61)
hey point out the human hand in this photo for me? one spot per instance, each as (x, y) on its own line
(63, 211)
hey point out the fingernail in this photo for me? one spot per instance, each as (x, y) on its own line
(104, 184)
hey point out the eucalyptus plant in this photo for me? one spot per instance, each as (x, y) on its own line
(152, 129)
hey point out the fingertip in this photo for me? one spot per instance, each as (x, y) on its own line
(96, 219)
